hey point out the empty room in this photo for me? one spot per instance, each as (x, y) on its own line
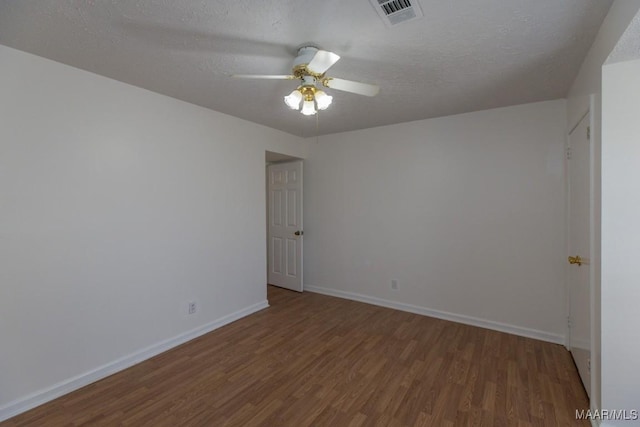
(329, 213)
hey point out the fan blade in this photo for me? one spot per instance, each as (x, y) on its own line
(322, 61)
(264, 76)
(351, 86)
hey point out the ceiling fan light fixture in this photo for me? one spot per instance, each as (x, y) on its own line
(309, 68)
(323, 100)
(308, 108)
(293, 99)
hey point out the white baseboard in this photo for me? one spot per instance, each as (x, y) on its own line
(459, 318)
(38, 398)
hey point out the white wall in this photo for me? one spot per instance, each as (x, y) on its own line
(117, 207)
(589, 82)
(467, 212)
(620, 237)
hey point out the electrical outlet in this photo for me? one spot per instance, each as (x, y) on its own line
(192, 307)
(394, 284)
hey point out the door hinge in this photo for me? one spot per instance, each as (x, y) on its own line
(568, 153)
(569, 322)
(589, 132)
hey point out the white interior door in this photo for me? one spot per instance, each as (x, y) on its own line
(579, 161)
(284, 231)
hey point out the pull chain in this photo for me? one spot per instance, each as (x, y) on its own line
(317, 127)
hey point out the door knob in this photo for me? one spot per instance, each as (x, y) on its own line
(575, 260)
(299, 233)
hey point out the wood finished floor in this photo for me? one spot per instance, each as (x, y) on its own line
(314, 360)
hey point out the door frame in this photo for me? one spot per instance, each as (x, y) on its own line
(273, 158)
(594, 255)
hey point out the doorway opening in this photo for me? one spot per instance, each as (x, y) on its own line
(284, 245)
(580, 245)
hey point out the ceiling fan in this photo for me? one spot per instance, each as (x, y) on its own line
(310, 67)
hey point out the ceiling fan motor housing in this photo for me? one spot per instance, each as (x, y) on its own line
(308, 80)
(305, 55)
(301, 65)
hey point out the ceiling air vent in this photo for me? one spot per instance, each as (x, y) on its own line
(394, 12)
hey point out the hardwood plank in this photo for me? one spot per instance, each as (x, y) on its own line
(314, 360)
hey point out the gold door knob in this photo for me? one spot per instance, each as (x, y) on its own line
(575, 260)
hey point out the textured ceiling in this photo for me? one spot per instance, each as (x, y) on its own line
(628, 47)
(464, 55)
